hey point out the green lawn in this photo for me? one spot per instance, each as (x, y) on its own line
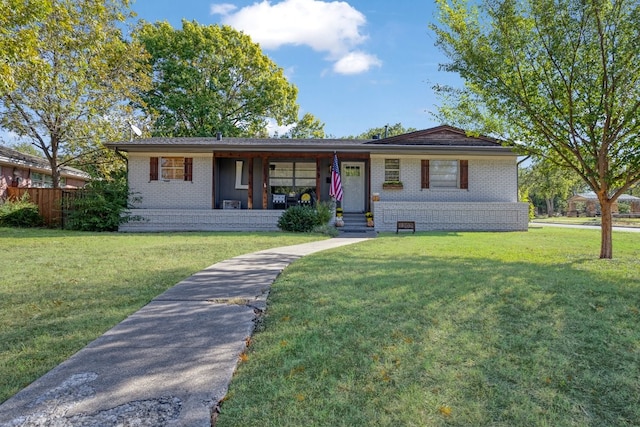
(582, 220)
(449, 329)
(60, 290)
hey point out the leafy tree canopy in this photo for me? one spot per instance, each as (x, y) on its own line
(549, 182)
(209, 79)
(560, 78)
(307, 127)
(70, 85)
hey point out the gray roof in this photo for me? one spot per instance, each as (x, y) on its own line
(440, 140)
(13, 157)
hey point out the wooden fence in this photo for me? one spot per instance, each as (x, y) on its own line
(53, 203)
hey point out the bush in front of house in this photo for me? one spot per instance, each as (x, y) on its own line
(305, 219)
(20, 213)
(99, 207)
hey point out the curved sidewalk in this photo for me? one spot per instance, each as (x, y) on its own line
(168, 364)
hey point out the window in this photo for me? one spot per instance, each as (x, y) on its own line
(351, 170)
(392, 169)
(43, 181)
(445, 174)
(171, 168)
(292, 176)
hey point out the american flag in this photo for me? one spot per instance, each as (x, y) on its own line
(336, 183)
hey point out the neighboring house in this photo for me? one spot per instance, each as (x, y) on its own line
(25, 170)
(449, 181)
(587, 204)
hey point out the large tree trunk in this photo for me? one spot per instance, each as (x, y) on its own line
(550, 207)
(606, 245)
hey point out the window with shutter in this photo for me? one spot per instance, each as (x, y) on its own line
(171, 168)
(445, 174)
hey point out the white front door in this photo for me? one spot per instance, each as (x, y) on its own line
(352, 176)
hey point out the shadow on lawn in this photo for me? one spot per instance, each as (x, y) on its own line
(503, 343)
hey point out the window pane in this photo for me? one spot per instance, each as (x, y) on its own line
(305, 170)
(281, 170)
(352, 170)
(172, 168)
(444, 173)
(305, 182)
(392, 169)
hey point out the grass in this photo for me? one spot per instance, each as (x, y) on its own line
(60, 290)
(617, 222)
(449, 329)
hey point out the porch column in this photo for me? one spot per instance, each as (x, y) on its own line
(250, 186)
(318, 181)
(213, 181)
(265, 182)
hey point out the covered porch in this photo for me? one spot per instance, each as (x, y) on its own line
(276, 181)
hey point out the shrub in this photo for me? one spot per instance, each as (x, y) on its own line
(327, 230)
(20, 213)
(325, 212)
(99, 207)
(301, 219)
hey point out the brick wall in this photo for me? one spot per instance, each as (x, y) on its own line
(456, 216)
(490, 180)
(202, 220)
(195, 194)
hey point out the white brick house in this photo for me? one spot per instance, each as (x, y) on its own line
(449, 181)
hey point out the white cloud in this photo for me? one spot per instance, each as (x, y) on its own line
(273, 128)
(332, 27)
(222, 8)
(356, 63)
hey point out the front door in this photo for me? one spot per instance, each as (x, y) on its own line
(352, 176)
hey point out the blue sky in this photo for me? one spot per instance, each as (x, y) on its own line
(358, 64)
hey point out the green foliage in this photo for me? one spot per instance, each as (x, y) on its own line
(307, 127)
(557, 79)
(73, 81)
(325, 212)
(548, 185)
(305, 219)
(327, 230)
(209, 79)
(99, 207)
(20, 213)
(523, 196)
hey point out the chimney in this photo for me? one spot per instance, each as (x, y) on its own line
(219, 136)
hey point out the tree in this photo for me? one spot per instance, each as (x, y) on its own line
(549, 182)
(210, 79)
(18, 36)
(383, 131)
(307, 127)
(559, 78)
(69, 99)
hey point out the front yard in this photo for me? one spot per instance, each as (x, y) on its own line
(432, 329)
(60, 290)
(449, 329)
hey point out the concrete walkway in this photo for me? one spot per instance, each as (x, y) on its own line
(168, 364)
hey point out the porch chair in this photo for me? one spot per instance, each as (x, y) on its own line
(279, 200)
